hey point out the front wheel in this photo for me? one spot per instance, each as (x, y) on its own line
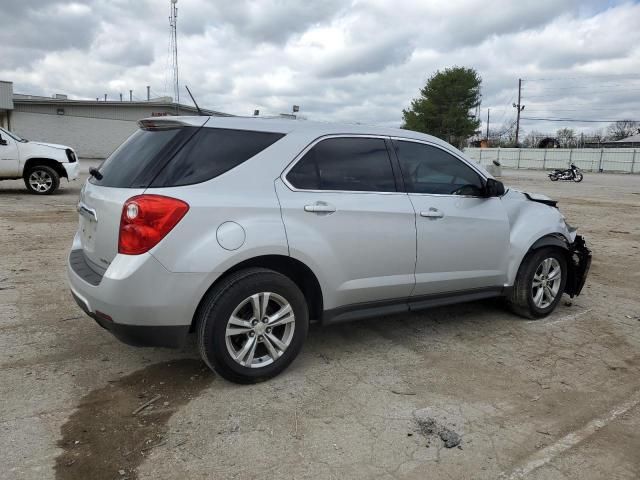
(539, 284)
(42, 180)
(577, 177)
(252, 325)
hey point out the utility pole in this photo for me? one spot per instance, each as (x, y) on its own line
(519, 108)
(131, 95)
(148, 92)
(488, 113)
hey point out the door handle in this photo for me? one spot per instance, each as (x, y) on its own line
(432, 213)
(320, 207)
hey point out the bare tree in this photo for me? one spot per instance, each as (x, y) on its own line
(532, 139)
(566, 137)
(505, 136)
(623, 129)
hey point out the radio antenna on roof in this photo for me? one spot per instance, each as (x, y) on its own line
(194, 101)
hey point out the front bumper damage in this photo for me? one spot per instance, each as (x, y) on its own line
(579, 264)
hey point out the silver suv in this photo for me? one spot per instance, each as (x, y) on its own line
(244, 230)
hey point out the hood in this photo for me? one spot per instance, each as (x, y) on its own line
(52, 145)
(538, 197)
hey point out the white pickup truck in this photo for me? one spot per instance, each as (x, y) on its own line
(40, 164)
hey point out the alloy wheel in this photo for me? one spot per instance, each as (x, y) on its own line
(260, 330)
(40, 181)
(546, 282)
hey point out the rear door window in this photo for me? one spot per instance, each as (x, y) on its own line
(212, 152)
(345, 164)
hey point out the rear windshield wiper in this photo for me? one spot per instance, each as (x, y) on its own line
(94, 172)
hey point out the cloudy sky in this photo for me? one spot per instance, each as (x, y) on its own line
(346, 60)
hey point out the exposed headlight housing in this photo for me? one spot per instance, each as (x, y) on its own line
(71, 156)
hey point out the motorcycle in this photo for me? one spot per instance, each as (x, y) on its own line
(571, 173)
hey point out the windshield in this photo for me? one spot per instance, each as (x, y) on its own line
(13, 135)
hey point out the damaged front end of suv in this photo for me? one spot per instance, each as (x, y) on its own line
(579, 264)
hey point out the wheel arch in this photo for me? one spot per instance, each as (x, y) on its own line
(559, 241)
(49, 162)
(290, 267)
(550, 240)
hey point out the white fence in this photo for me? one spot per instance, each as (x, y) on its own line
(620, 160)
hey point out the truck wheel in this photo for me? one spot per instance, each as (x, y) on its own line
(252, 325)
(42, 180)
(539, 284)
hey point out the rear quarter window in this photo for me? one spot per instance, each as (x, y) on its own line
(212, 152)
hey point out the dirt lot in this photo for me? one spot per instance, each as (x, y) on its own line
(552, 399)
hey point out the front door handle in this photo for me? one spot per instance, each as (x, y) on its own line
(320, 207)
(432, 213)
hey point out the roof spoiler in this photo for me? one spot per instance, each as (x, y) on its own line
(160, 124)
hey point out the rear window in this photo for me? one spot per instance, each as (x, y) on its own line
(212, 152)
(180, 156)
(136, 162)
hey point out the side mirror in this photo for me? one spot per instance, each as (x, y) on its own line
(2, 141)
(493, 188)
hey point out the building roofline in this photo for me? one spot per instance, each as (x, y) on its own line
(111, 103)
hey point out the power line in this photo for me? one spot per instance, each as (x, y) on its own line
(586, 77)
(577, 108)
(577, 120)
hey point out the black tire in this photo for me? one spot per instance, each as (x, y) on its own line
(219, 304)
(520, 299)
(578, 178)
(50, 180)
(553, 177)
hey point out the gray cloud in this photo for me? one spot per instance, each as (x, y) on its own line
(40, 26)
(372, 55)
(269, 21)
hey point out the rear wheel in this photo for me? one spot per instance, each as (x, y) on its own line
(252, 325)
(539, 284)
(42, 180)
(553, 177)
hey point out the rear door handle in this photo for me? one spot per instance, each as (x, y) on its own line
(320, 207)
(432, 213)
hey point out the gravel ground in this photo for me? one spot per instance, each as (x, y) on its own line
(383, 398)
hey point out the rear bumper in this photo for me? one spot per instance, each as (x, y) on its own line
(579, 265)
(172, 336)
(138, 300)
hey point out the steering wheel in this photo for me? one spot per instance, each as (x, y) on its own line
(466, 189)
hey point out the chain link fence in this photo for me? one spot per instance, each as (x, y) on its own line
(618, 160)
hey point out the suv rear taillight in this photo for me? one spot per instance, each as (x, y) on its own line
(146, 219)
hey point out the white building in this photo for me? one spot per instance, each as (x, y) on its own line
(93, 128)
